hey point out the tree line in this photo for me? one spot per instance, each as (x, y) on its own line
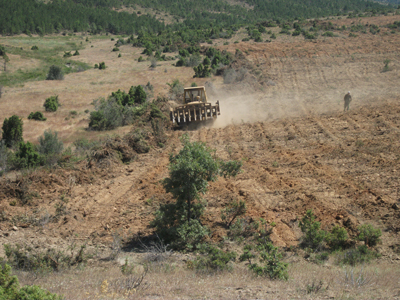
(30, 16)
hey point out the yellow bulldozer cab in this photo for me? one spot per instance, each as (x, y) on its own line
(195, 94)
(195, 107)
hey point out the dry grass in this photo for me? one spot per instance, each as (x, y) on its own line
(173, 281)
(78, 90)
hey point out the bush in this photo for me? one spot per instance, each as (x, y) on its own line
(108, 115)
(50, 146)
(140, 59)
(35, 47)
(24, 257)
(102, 66)
(337, 238)
(12, 130)
(139, 95)
(67, 54)
(11, 290)
(359, 255)
(271, 258)
(38, 116)
(76, 53)
(96, 66)
(313, 237)
(4, 158)
(369, 235)
(176, 89)
(115, 49)
(328, 33)
(51, 103)
(27, 156)
(55, 73)
(214, 259)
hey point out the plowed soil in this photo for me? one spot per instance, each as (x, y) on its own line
(300, 151)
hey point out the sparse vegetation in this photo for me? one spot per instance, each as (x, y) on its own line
(213, 259)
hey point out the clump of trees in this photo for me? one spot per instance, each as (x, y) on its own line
(214, 61)
(320, 243)
(120, 108)
(26, 154)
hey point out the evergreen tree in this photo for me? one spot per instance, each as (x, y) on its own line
(12, 130)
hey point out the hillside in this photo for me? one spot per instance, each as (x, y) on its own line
(281, 115)
(36, 17)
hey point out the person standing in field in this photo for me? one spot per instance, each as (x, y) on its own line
(347, 100)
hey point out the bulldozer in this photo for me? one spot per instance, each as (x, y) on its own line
(195, 108)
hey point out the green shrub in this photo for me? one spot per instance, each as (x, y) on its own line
(271, 259)
(115, 49)
(5, 155)
(67, 54)
(119, 55)
(369, 235)
(96, 66)
(319, 258)
(337, 238)
(51, 103)
(328, 33)
(155, 112)
(26, 258)
(139, 95)
(102, 66)
(214, 259)
(55, 73)
(38, 116)
(76, 53)
(35, 47)
(12, 130)
(108, 115)
(11, 290)
(140, 59)
(386, 67)
(359, 255)
(83, 145)
(27, 156)
(273, 36)
(50, 147)
(313, 237)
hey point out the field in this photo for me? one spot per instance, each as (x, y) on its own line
(285, 120)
